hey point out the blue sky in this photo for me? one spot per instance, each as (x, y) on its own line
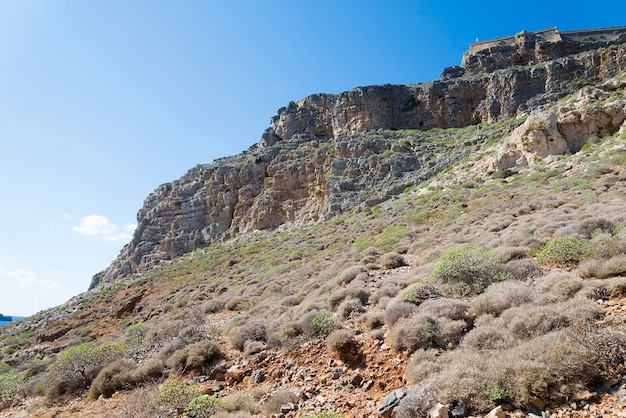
(103, 101)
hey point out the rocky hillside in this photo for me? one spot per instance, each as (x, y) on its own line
(328, 153)
(449, 249)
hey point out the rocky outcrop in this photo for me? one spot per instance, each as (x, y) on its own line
(330, 153)
(599, 111)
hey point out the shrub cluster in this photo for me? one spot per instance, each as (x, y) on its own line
(562, 251)
(124, 374)
(194, 357)
(277, 399)
(420, 292)
(203, 406)
(342, 342)
(316, 323)
(438, 322)
(551, 367)
(253, 330)
(418, 402)
(75, 368)
(468, 270)
(11, 387)
(174, 396)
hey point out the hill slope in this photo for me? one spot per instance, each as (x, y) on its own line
(463, 239)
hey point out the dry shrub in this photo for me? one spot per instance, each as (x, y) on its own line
(170, 348)
(418, 402)
(194, 357)
(530, 321)
(605, 246)
(281, 332)
(422, 364)
(253, 330)
(488, 338)
(387, 291)
(165, 330)
(253, 347)
(342, 342)
(523, 269)
(138, 403)
(212, 306)
(240, 402)
(124, 374)
(370, 255)
(238, 303)
(559, 285)
(580, 310)
(398, 310)
(392, 260)
(551, 367)
(451, 332)
(350, 308)
(604, 269)
(591, 227)
(512, 253)
(347, 293)
(607, 347)
(501, 296)
(277, 399)
(445, 308)
(616, 286)
(418, 331)
(374, 320)
(236, 414)
(352, 273)
(291, 301)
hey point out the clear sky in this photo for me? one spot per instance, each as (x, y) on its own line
(101, 101)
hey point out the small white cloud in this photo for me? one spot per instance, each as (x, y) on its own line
(27, 279)
(99, 226)
(67, 216)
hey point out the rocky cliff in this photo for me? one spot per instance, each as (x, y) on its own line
(330, 153)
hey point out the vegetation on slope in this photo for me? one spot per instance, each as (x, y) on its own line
(489, 282)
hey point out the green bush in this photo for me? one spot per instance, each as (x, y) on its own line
(75, 368)
(468, 270)
(203, 406)
(564, 251)
(138, 330)
(176, 396)
(421, 291)
(316, 323)
(11, 386)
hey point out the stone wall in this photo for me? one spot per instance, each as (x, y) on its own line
(550, 35)
(553, 35)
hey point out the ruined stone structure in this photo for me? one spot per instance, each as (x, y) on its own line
(553, 35)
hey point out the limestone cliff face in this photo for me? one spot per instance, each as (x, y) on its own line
(598, 111)
(330, 153)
